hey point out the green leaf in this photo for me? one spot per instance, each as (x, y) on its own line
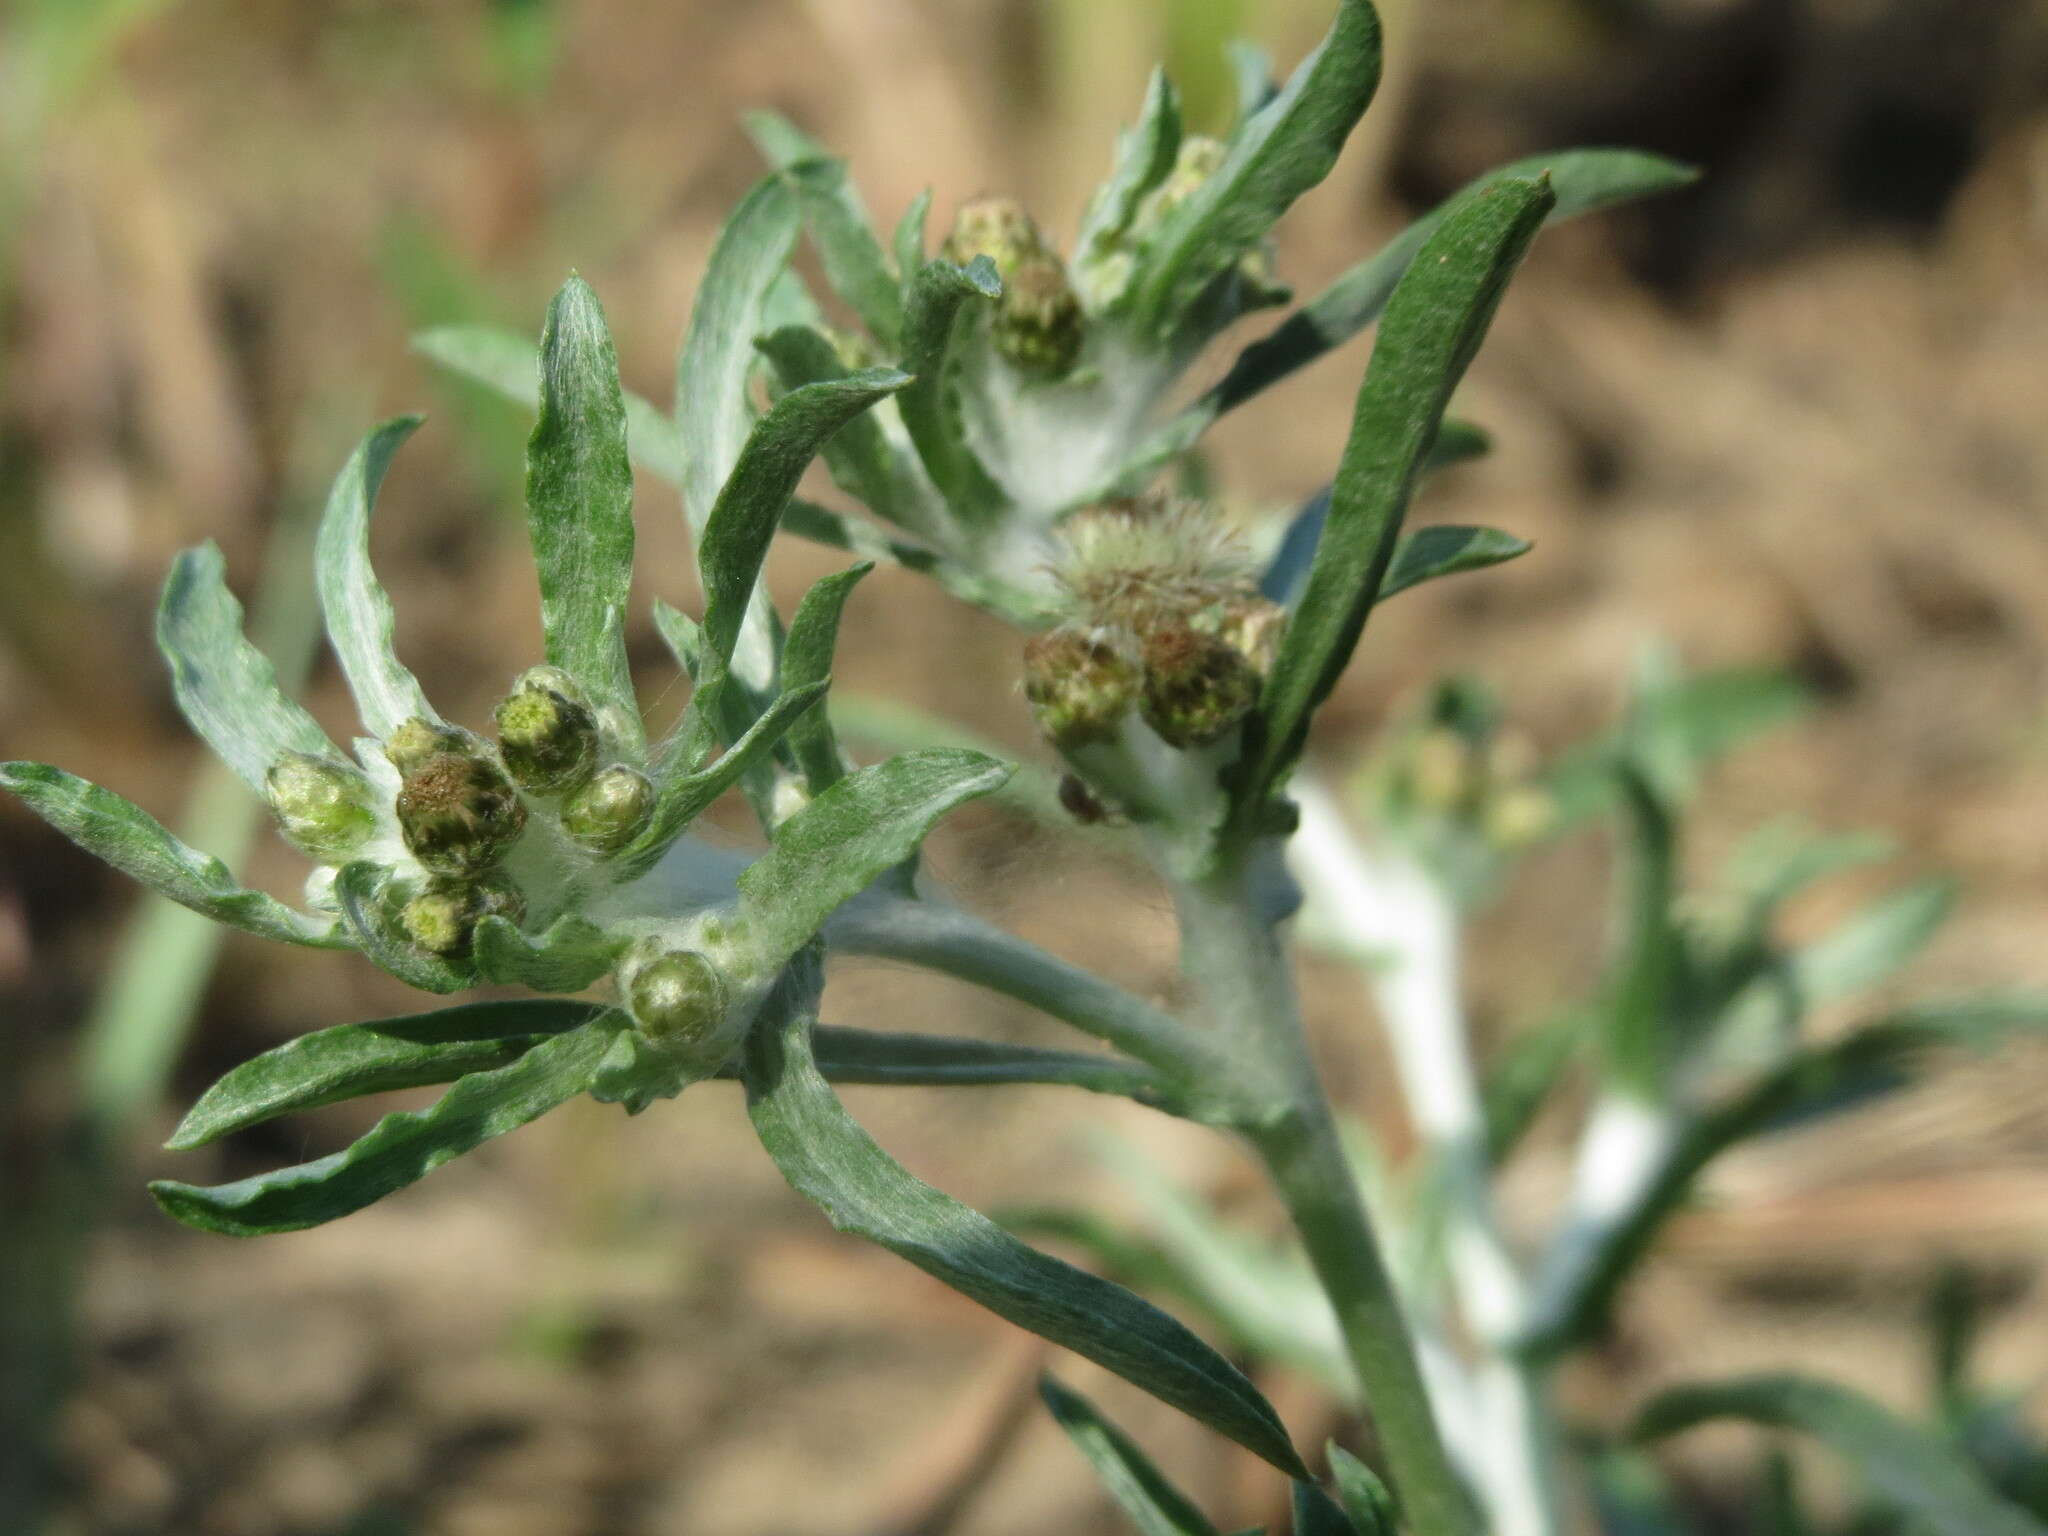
(1141, 1490)
(1433, 327)
(350, 1061)
(852, 256)
(1873, 943)
(1251, 71)
(780, 448)
(1286, 148)
(682, 798)
(1144, 156)
(1317, 1514)
(1530, 1068)
(806, 659)
(579, 498)
(141, 847)
(930, 323)
(1584, 181)
(835, 847)
(1637, 1040)
(1912, 1469)
(836, 1165)
(872, 470)
(1365, 1498)
(368, 907)
(225, 686)
(885, 1059)
(1446, 549)
(908, 240)
(712, 411)
(357, 611)
(401, 1148)
(503, 360)
(568, 956)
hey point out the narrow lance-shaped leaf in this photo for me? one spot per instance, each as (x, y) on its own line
(1144, 156)
(579, 500)
(349, 1061)
(908, 240)
(1424, 554)
(836, 1165)
(1636, 1039)
(682, 799)
(1251, 71)
(879, 1058)
(1365, 1498)
(832, 849)
(807, 659)
(369, 909)
(1584, 181)
(225, 686)
(503, 360)
(712, 410)
(141, 847)
(781, 446)
(358, 613)
(838, 222)
(933, 315)
(1911, 1468)
(865, 464)
(402, 1148)
(1286, 148)
(1433, 327)
(1141, 1490)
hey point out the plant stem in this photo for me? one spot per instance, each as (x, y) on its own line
(1390, 906)
(943, 938)
(1232, 956)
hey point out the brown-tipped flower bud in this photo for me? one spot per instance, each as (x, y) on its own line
(995, 227)
(327, 809)
(441, 916)
(1038, 326)
(547, 735)
(1082, 681)
(611, 810)
(457, 809)
(1196, 686)
(678, 998)
(1250, 624)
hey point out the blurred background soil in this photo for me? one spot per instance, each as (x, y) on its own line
(1794, 416)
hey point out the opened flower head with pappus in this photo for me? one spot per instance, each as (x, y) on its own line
(551, 854)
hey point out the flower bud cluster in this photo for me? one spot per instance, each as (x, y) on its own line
(1168, 623)
(1038, 327)
(462, 806)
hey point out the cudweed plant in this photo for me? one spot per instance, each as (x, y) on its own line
(1001, 417)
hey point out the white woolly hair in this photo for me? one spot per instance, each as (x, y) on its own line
(1155, 557)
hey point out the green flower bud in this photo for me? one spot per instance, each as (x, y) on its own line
(325, 808)
(611, 810)
(1196, 161)
(1081, 680)
(1197, 686)
(678, 998)
(416, 740)
(995, 227)
(457, 809)
(547, 735)
(1038, 326)
(441, 917)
